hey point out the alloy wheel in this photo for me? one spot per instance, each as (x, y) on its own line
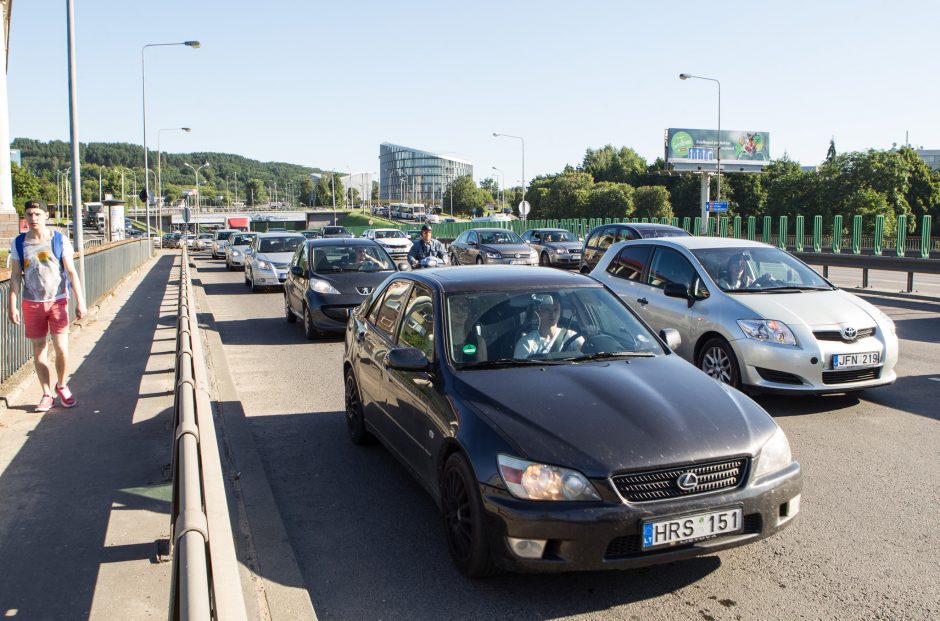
(456, 501)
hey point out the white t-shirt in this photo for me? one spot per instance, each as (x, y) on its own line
(44, 278)
(533, 343)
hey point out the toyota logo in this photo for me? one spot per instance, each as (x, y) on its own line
(687, 482)
(849, 333)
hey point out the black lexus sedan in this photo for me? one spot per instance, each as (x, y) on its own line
(326, 277)
(554, 429)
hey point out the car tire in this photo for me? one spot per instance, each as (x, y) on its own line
(310, 331)
(543, 260)
(464, 526)
(717, 360)
(254, 287)
(288, 313)
(355, 421)
(479, 260)
(229, 266)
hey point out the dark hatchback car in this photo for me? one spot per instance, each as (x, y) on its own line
(605, 235)
(335, 231)
(327, 277)
(582, 457)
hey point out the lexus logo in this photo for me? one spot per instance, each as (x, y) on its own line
(364, 290)
(849, 333)
(687, 482)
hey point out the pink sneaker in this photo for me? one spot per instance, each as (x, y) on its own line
(66, 398)
(46, 403)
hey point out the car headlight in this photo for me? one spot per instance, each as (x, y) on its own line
(263, 265)
(532, 481)
(493, 255)
(774, 455)
(236, 253)
(321, 286)
(767, 330)
(887, 320)
(533, 254)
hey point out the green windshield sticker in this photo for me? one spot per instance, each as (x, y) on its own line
(469, 349)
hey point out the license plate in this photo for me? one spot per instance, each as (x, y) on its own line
(866, 359)
(518, 262)
(691, 528)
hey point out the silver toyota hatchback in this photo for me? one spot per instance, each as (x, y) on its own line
(752, 315)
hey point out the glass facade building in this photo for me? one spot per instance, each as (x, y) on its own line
(409, 175)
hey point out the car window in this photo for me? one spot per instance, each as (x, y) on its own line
(668, 266)
(351, 258)
(530, 235)
(629, 262)
(384, 314)
(765, 268)
(559, 236)
(279, 244)
(300, 259)
(389, 234)
(471, 237)
(242, 240)
(499, 237)
(417, 327)
(607, 237)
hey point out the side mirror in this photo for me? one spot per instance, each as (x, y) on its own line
(296, 270)
(404, 267)
(671, 337)
(409, 359)
(472, 243)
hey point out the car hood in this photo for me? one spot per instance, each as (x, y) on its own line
(395, 242)
(354, 282)
(274, 257)
(811, 308)
(505, 249)
(604, 417)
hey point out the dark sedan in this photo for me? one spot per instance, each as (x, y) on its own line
(327, 277)
(338, 232)
(543, 418)
(556, 247)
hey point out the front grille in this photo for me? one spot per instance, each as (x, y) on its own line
(631, 545)
(661, 484)
(836, 335)
(780, 377)
(280, 266)
(854, 375)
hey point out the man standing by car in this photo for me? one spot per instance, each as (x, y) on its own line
(425, 247)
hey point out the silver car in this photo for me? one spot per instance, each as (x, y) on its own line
(268, 257)
(499, 246)
(220, 241)
(556, 247)
(395, 242)
(236, 248)
(752, 315)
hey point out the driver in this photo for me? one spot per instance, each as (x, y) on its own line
(425, 247)
(546, 335)
(735, 273)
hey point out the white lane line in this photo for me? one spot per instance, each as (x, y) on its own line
(934, 379)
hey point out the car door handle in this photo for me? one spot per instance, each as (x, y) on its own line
(643, 301)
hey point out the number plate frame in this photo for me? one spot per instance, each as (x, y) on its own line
(690, 528)
(860, 360)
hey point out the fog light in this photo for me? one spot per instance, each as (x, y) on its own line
(788, 510)
(527, 548)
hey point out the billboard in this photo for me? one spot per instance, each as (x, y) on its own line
(695, 149)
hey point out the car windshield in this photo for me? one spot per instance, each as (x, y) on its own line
(758, 269)
(390, 234)
(242, 240)
(562, 325)
(332, 230)
(499, 237)
(351, 258)
(310, 234)
(280, 244)
(558, 236)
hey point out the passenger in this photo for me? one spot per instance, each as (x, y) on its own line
(546, 335)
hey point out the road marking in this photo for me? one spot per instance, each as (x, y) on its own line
(934, 379)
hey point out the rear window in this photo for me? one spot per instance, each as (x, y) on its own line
(280, 244)
(630, 262)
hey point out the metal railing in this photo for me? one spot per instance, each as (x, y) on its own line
(104, 269)
(205, 583)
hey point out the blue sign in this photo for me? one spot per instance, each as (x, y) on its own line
(716, 206)
(701, 153)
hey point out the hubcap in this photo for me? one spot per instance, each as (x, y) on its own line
(717, 364)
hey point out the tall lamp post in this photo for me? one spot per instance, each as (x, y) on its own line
(143, 90)
(196, 170)
(501, 183)
(522, 140)
(159, 175)
(686, 76)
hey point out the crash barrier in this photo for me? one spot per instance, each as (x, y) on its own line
(104, 268)
(204, 580)
(873, 236)
(870, 262)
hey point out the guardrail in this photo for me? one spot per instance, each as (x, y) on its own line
(104, 268)
(871, 262)
(205, 583)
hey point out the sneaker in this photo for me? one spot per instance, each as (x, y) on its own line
(66, 398)
(45, 404)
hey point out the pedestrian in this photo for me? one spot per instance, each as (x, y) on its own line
(42, 265)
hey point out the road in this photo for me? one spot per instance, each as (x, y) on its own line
(370, 544)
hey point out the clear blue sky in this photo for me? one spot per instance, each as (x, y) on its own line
(322, 84)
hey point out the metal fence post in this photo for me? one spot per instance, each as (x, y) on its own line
(686, 223)
(675, 222)
(767, 230)
(857, 234)
(878, 241)
(901, 234)
(799, 233)
(817, 233)
(723, 227)
(782, 233)
(925, 222)
(751, 228)
(698, 226)
(737, 227)
(837, 235)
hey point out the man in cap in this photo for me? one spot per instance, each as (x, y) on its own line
(426, 247)
(42, 265)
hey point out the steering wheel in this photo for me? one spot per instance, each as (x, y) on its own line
(571, 339)
(765, 279)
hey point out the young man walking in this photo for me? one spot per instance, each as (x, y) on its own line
(42, 264)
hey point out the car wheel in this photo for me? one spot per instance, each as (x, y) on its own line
(479, 260)
(254, 287)
(355, 422)
(310, 331)
(543, 260)
(463, 519)
(288, 313)
(718, 360)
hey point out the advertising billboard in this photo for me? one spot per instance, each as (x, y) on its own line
(695, 149)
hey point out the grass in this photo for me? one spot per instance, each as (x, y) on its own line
(357, 218)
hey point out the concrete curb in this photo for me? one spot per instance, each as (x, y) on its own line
(262, 543)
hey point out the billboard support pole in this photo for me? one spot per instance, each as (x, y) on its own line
(706, 190)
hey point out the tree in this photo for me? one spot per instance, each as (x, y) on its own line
(568, 196)
(652, 201)
(622, 165)
(831, 153)
(307, 192)
(466, 196)
(255, 192)
(610, 200)
(26, 186)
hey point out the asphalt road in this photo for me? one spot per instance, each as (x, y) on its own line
(370, 545)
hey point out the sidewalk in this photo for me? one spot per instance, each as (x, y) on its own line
(83, 492)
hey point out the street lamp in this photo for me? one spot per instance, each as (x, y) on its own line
(503, 183)
(143, 90)
(686, 76)
(522, 140)
(159, 175)
(196, 172)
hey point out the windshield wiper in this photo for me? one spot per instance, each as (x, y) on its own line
(796, 288)
(601, 355)
(511, 362)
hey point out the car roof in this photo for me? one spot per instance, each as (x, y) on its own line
(695, 243)
(470, 278)
(490, 229)
(341, 241)
(267, 234)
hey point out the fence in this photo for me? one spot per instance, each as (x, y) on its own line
(104, 268)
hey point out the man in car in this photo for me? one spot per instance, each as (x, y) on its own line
(425, 247)
(546, 335)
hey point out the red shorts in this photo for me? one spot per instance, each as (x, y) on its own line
(41, 318)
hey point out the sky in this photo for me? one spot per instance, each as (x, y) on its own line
(323, 84)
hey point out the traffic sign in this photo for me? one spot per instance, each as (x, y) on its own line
(714, 206)
(187, 215)
(524, 208)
